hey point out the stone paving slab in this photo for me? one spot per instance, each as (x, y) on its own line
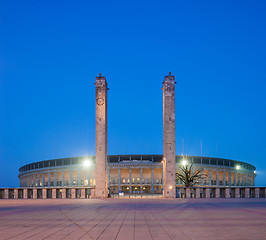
(156, 219)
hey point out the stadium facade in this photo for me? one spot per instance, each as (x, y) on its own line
(133, 173)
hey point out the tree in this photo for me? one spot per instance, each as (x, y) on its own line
(188, 176)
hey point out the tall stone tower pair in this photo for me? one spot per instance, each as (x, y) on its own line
(169, 168)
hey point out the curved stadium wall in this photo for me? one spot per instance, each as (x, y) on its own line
(132, 173)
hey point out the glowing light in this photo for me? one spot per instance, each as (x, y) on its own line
(184, 162)
(255, 172)
(86, 163)
(127, 188)
(237, 167)
(170, 187)
(135, 188)
(143, 187)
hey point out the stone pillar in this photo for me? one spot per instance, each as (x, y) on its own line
(16, 193)
(141, 180)
(26, 181)
(70, 178)
(38, 179)
(201, 178)
(44, 193)
(235, 178)
(55, 179)
(43, 180)
(169, 162)
(92, 193)
(108, 179)
(25, 193)
(187, 192)
(197, 192)
(62, 178)
(207, 193)
(247, 180)
(230, 179)
(217, 178)
(33, 180)
(78, 177)
(217, 192)
(257, 192)
(63, 193)
(6, 194)
(101, 190)
(227, 193)
(88, 176)
(224, 178)
(244, 179)
(82, 193)
(152, 180)
(54, 193)
(34, 193)
(210, 177)
(237, 193)
(130, 190)
(162, 180)
(73, 193)
(119, 180)
(247, 194)
(48, 179)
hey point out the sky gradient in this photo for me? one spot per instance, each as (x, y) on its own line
(50, 53)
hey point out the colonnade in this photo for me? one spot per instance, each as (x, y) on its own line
(130, 176)
(55, 178)
(224, 177)
(137, 177)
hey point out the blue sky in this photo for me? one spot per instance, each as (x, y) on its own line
(51, 51)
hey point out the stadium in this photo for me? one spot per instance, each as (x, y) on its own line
(132, 174)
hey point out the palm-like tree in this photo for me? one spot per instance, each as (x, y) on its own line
(188, 176)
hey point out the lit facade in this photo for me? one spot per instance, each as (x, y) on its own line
(132, 173)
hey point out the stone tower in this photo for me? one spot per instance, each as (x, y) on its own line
(101, 190)
(169, 165)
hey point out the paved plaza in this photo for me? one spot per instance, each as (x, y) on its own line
(184, 219)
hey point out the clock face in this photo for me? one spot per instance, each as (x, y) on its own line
(100, 101)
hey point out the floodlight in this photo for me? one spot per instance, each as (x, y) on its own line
(86, 163)
(237, 167)
(184, 162)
